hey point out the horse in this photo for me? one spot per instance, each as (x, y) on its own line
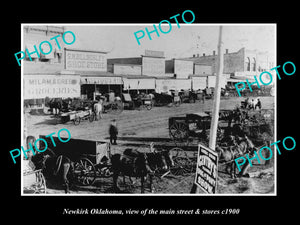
(234, 147)
(54, 103)
(138, 164)
(163, 98)
(97, 107)
(53, 165)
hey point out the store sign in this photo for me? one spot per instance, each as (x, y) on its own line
(207, 169)
(154, 53)
(127, 69)
(52, 86)
(101, 80)
(85, 61)
(138, 84)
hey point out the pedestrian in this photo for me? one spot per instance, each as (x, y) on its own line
(258, 104)
(113, 132)
(201, 95)
(251, 104)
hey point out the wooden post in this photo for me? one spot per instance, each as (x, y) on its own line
(217, 95)
(216, 106)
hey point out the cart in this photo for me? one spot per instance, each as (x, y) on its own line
(91, 158)
(77, 116)
(127, 101)
(114, 107)
(147, 103)
(195, 125)
(33, 179)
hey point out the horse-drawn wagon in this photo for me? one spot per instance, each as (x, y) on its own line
(81, 161)
(77, 116)
(188, 96)
(114, 107)
(196, 125)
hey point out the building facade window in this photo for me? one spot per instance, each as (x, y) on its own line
(247, 64)
(254, 64)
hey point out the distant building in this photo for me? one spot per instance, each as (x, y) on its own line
(181, 69)
(34, 35)
(243, 62)
(152, 72)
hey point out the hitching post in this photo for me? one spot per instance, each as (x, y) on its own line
(216, 106)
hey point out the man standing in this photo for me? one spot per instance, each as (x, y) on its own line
(258, 104)
(113, 132)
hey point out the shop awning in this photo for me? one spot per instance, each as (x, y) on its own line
(138, 83)
(240, 79)
(164, 85)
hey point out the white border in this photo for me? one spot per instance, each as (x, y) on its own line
(150, 24)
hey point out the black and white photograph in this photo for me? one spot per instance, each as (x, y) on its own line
(127, 111)
(145, 109)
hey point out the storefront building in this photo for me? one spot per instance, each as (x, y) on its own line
(44, 76)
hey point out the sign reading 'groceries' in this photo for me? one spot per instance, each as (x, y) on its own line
(52, 86)
(85, 60)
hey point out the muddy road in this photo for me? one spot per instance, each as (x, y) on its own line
(142, 125)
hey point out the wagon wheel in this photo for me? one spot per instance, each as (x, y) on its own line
(92, 117)
(116, 107)
(42, 188)
(149, 106)
(76, 121)
(84, 172)
(182, 162)
(192, 100)
(177, 103)
(179, 131)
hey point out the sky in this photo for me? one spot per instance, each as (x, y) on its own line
(119, 40)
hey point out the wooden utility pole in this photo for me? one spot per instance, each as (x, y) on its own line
(217, 95)
(216, 106)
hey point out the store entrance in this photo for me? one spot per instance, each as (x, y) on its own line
(88, 90)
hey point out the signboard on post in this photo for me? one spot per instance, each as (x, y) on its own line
(207, 169)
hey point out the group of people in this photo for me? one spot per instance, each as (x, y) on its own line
(253, 104)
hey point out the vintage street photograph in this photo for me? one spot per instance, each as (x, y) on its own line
(106, 114)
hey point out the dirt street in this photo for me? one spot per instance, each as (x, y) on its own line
(141, 124)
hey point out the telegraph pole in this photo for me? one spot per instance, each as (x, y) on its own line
(217, 95)
(216, 106)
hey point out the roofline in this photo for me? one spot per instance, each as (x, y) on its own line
(84, 50)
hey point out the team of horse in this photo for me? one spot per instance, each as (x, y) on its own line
(134, 163)
(131, 163)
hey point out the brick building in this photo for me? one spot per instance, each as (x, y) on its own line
(244, 62)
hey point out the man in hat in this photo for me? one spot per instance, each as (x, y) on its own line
(113, 132)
